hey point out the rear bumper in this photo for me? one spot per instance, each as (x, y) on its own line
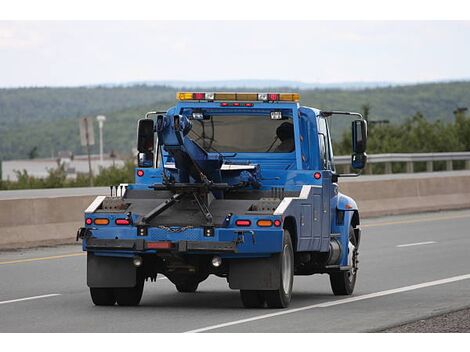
(140, 245)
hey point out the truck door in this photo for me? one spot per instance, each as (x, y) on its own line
(326, 163)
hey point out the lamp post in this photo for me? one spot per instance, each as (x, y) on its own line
(101, 119)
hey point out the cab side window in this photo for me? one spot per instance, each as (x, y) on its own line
(325, 145)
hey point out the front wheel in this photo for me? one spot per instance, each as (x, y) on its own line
(343, 282)
(281, 297)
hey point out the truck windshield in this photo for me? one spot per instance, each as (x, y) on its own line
(243, 134)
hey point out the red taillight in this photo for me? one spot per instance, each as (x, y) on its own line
(273, 97)
(140, 173)
(199, 96)
(160, 245)
(243, 222)
(122, 222)
(88, 221)
(317, 175)
(236, 104)
(224, 104)
(277, 223)
(249, 104)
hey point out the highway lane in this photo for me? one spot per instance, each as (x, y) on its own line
(396, 253)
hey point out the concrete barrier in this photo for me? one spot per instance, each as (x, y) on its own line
(44, 217)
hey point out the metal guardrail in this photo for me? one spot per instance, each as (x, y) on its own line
(410, 159)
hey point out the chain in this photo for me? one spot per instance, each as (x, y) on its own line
(175, 229)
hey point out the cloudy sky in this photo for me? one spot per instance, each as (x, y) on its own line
(82, 53)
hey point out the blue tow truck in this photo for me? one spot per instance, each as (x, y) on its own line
(238, 185)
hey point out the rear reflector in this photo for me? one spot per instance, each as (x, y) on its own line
(277, 223)
(88, 221)
(160, 245)
(101, 221)
(122, 222)
(243, 222)
(140, 173)
(264, 223)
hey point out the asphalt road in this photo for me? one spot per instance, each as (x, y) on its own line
(411, 267)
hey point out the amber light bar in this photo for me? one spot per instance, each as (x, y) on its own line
(266, 97)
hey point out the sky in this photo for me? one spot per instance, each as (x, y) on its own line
(72, 53)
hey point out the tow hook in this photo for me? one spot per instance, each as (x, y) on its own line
(83, 233)
(241, 236)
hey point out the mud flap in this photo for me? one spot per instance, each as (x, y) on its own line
(255, 274)
(110, 271)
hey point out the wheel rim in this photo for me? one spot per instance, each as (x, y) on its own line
(286, 270)
(352, 261)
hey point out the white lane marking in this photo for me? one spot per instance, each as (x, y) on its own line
(30, 298)
(416, 244)
(337, 302)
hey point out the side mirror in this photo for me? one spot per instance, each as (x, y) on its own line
(359, 144)
(145, 142)
(359, 136)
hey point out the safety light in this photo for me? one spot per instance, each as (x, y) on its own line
(198, 116)
(88, 221)
(264, 223)
(101, 221)
(317, 175)
(276, 115)
(221, 96)
(140, 173)
(122, 222)
(277, 223)
(243, 223)
(273, 97)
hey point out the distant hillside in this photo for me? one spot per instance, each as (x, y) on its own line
(47, 118)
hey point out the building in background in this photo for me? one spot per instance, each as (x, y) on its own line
(73, 165)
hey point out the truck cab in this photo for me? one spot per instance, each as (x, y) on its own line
(238, 185)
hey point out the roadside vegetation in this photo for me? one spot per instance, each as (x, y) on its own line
(39, 122)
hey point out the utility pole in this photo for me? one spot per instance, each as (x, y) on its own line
(87, 138)
(101, 119)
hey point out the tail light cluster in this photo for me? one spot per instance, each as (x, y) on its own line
(105, 221)
(259, 223)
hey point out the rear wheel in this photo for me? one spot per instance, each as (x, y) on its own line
(252, 298)
(102, 296)
(343, 282)
(281, 297)
(130, 296)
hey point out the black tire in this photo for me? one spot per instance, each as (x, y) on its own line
(281, 297)
(252, 298)
(187, 286)
(343, 282)
(102, 296)
(130, 296)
